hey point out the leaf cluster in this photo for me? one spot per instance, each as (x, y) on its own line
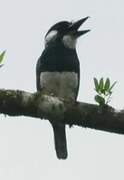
(103, 89)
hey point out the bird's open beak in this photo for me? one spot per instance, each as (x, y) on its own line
(76, 25)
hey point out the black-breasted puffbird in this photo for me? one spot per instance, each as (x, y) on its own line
(58, 71)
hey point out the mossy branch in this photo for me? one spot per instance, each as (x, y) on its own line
(18, 103)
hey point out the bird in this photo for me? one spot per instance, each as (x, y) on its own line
(58, 71)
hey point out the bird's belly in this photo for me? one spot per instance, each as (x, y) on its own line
(61, 84)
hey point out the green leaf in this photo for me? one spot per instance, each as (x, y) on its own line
(103, 91)
(96, 85)
(101, 84)
(107, 84)
(112, 86)
(2, 56)
(99, 100)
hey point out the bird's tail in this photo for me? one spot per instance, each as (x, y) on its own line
(60, 140)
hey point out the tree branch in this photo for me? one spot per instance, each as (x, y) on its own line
(17, 103)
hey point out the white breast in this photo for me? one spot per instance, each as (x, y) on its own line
(61, 84)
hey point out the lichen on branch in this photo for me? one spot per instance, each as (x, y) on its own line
(22, 103)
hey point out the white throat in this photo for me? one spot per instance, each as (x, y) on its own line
(69, 41)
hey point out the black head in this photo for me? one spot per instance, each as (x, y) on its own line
(66, 31)
(60, 27)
